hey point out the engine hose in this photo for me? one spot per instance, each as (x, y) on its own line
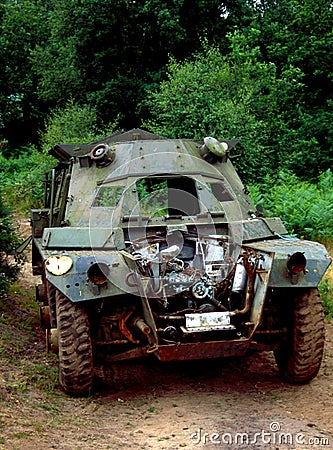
(218, 304)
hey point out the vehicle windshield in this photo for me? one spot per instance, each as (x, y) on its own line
(167, 196)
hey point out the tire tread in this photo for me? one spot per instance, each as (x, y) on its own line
(76, 370)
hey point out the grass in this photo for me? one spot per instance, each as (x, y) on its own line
(326, 293)
(25, 367)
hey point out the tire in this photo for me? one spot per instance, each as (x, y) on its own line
(51, 300)
(299, 357)
(76, 370)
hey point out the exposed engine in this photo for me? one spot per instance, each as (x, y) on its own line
(194, 283)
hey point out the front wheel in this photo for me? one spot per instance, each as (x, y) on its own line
(76, 370)
(300, 356)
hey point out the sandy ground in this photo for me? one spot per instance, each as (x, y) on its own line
(229, 404)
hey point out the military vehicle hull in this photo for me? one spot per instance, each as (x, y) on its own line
(151, 247)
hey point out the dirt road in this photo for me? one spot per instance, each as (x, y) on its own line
(239, 403)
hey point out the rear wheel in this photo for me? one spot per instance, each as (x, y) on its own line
(51, 325)
(300, 356)
(76, 371)
(51, 300)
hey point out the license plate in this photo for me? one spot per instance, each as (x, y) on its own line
(219, 320)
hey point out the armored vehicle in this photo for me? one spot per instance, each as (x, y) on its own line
(151, 247)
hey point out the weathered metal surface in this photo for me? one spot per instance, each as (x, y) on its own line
(159, 242)
(77, 238)
(255, 229)
(317, 261)
(263, 272)
(75, 284)
(102, 237)
(202, 350)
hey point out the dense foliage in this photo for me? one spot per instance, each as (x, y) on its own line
(271, 83)
(234, 96)
(98, 52)
(239, 95)
(22, 175)
(306, 208)
(9, 265)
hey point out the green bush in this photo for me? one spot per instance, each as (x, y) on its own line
(21, 177)
(326, 293)
(200, 98)
(9, 265)
(306, 208)
(239, 96)
(73, 124)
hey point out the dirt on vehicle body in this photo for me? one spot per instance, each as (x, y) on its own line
(151, 247)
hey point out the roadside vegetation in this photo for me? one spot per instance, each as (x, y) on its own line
(9, 264)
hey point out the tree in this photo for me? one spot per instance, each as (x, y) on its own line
(108, 54)
(234, 96)
(22, 27)
(71, 124)
(299, 35)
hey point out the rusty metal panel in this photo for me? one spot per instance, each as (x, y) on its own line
(202, 350)
(316, 256)
(259, 229)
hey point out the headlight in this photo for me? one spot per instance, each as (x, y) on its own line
(58, 264)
